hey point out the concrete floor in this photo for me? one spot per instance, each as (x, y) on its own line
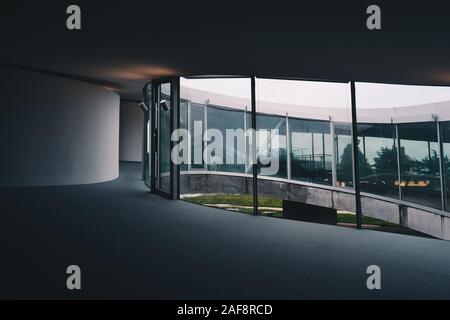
(132, 244)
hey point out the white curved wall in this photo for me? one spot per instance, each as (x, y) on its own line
(56, 131)
(437, 110)
(131, 124)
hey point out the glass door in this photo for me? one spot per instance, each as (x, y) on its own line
(163, 109)
(162, 119)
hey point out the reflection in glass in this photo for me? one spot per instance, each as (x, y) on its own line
(419, 163)
(197, 128)
(378, 159)
(301, 112)
(222, 119)
(271, 145)
(311, 154)
(344, 154)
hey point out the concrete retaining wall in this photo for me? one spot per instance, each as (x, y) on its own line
(428, 222)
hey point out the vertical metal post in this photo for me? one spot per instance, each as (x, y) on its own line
(399, 171)
(364, 154)
(441, 164)
(190, 136)
(245, 144)
(312, 151)
(288, 147)
(430, 161)
(333, 155)
(323, 151)
(254, 162)
(355, 157)
(205, 130)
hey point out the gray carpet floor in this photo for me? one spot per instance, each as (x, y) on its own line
(132, 244)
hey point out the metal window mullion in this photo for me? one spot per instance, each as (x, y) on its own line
(191, 136)
(245, 144)
(364, 154)
(205, 141)
(399, 169)
(441, 165)
(312, 152)
(288, 147)
(323, 151)
(254, 160)
(430, 161)
(353, 154)
(333, 154)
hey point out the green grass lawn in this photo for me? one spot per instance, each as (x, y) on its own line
(351, 218)
(268, 206)
(236, 199)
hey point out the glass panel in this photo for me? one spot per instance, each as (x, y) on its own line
(419, 163)
(344, 154)
(164, 138)
(311, 151)
(197, 129)
(271, 146)
(223, 119)
(295, 145)
(378, 159)
(220, 145)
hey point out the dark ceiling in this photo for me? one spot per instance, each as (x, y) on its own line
(122, 45)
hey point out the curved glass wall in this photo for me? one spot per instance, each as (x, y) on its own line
(304, 139)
